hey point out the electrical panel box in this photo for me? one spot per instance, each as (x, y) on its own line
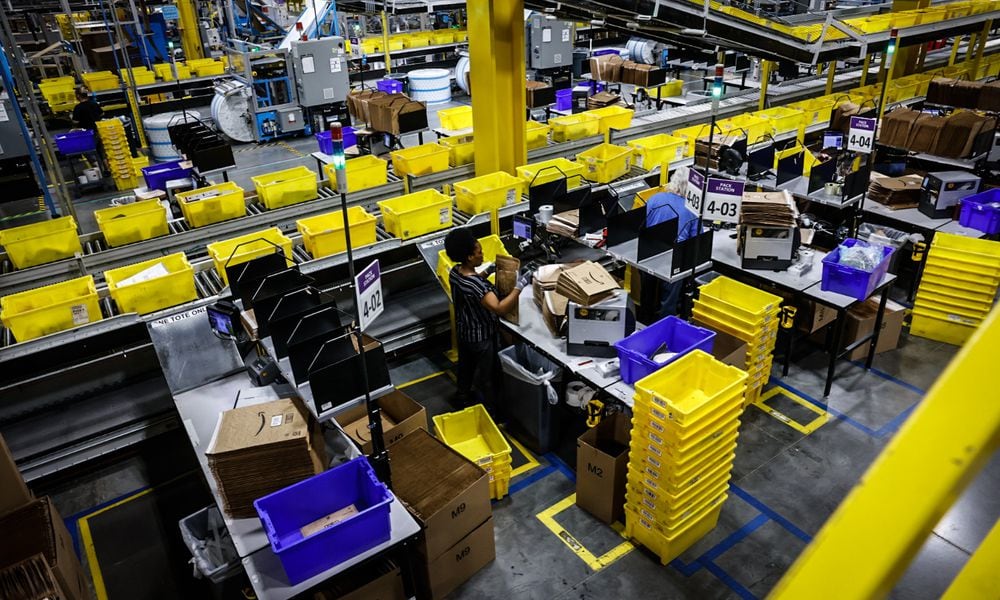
(321, 75)
(549, 43)
(290, 120)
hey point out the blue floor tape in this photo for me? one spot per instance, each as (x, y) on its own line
(834, 412)
(727, 579)
(772, 514)
(530, 479)
(559, 464)
(891, 378)
(719, 549)
(71, 520)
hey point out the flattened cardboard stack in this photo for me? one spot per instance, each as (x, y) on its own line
(769, 209)
(602, 99)
(450, 497)
(895, 192)
(551, 303)
(586, 284)
(508, 269)
(30, 579)
(260, 449)
(37, 529)
(565, 224)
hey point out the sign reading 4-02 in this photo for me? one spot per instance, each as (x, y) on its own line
(368, 287)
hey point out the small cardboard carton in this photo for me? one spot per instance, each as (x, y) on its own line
(861, 322)
(13, 491)
(602, 466)
(37, 528)
(383, 581)
(400, 415)
(460, 562)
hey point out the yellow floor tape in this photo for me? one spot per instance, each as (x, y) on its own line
(596, 563)
(419, 380)
(532, 461)
(88, 543)
(806, 429)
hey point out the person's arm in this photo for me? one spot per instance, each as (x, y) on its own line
(502, 307)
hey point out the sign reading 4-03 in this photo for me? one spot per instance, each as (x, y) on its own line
(723, 200)
(368, 287)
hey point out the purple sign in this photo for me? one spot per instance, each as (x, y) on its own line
(723, 200)
(696, 179)
(725, 186)
(863, 123)
(368, 287)
(368, 276)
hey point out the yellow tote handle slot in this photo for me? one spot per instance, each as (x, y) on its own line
(918, 251)
(595, 408)
(788, 316)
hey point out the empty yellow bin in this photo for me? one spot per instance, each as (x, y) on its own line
(606, 162)
(40, 243)
(323, 235)
(416, 214)
(654, 150)
(130, 223)
(363, 172)
(481, 194)
(286, 187)
(459, 117)
(551, 170)
(248, 247)
(50, 309)
(420, 160)
(212, 204)
(612, 117)
(574, 127)
(460, 149)
(156, 293)
(536, 134)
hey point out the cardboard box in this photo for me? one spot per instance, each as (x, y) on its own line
(814, 316)
(400, 415)
(445, 491)
(648, 75)
(383, 582)
(460, 562)
(539, 94)
(607, 67)
(861, 322)
(396, 114)
(601, 468)
(30, 578)
(13, 491)
(37, 528)
(357, 103)
(729, 349)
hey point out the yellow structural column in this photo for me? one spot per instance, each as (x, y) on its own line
(831, 73)
(864, 70)
(385, 43)
(908, 58)
(980, 49)
(497, 71)
(187, 17)
(765, 82)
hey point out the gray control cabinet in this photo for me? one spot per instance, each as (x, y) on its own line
(12, 142)
(549, 43)
(321, 74)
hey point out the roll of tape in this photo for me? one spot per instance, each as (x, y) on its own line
(578, 394)
(545, 213)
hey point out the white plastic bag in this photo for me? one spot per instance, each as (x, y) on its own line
(529, 366)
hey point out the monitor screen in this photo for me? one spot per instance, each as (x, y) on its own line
(833, 139)
(522, 228)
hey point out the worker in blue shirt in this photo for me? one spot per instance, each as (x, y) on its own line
(661, 207)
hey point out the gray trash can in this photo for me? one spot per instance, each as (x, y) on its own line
(207, 537)
(530, 396)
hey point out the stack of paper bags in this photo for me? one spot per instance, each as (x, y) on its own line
(895, 192)
(586, 284)
(769, 209)
(262, 448)
(551, 303)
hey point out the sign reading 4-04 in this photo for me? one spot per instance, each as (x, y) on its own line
(368, 287)
(862, 135)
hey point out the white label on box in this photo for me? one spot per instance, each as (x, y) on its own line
(640, 160)
(557, 58)
(328, 94)
(80, 314)
(695, 183)
(308, 65)
(3, 113)
(368, 287)
(335, 65)
(723, 200)
(565, 35)
(546, 35)
(861, 136)
(445, 215)
(276, 421)
(511, 196)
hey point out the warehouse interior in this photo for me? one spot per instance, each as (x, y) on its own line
(499, 299)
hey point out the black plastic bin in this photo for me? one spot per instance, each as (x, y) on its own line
(530, 393)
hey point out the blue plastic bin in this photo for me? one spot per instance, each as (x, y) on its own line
(158, 175)
(390, 86)
(564, 99)
(75, 142)
(326, 143)
(981, 212)
(851, 281)
(286, 511)
(679, 336)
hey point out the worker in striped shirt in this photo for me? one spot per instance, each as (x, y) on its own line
(477, 306)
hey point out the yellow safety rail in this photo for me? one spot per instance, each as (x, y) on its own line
(886, 519)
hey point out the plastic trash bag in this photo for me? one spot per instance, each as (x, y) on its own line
(866, 258)
(528, 365)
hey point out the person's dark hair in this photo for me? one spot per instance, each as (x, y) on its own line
(459, 244)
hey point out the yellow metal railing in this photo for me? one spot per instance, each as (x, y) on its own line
(868, 543)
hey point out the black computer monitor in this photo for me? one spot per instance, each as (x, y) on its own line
(833, 139)
(523, 227)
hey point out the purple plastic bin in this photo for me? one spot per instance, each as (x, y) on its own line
(75, 142)
(851, 281)
(679, 336)
(326, 143)
(158, 175)
(390, 86)
(286, 511)
(564, 99)
(981, 212)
